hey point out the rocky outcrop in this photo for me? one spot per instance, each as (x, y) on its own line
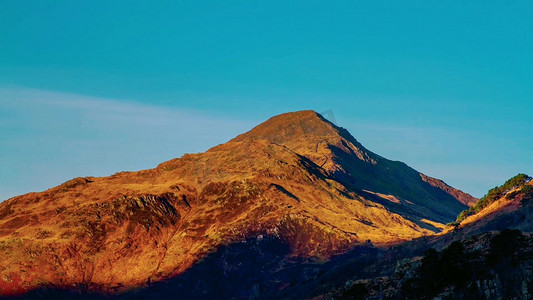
(461, 196)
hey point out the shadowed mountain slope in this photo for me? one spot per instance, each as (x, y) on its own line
(488, 255)
(296, 178)
(336, 151)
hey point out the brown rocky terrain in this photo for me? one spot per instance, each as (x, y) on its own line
(297, 179)
(464, 198)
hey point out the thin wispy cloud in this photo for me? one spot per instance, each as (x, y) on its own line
(50, 137)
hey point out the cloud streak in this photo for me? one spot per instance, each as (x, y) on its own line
(50, 137)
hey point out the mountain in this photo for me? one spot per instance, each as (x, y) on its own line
(297, 187)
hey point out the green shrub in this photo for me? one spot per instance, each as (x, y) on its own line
(356, 291)
(504, 246)
(437, 271)
(528, 192)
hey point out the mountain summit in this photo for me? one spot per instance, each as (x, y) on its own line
(291, 126)
(296, 178)
(335, 150)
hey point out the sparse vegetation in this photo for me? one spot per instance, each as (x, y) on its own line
(494, 194)
(528, 194)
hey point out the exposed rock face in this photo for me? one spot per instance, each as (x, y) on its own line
(463, 197)
(296, 178)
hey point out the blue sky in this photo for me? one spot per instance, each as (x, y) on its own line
(92, 88)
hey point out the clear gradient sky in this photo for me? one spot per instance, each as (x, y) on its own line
(96, 87)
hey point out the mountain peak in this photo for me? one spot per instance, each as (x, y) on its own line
(334, 150)
(309, 134)
(290, 126)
